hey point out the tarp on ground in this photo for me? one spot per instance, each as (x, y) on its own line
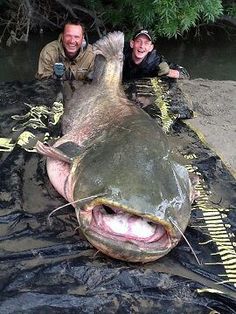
(46, 266)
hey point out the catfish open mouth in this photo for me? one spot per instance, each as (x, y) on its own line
(116, 225)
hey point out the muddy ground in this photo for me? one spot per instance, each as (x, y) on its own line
(214, 106)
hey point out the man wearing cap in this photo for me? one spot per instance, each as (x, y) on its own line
(142, 60)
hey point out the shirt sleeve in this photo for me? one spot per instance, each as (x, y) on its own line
(45, 64)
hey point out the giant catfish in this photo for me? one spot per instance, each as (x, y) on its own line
(113, 163)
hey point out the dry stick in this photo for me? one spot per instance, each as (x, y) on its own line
(72, 7)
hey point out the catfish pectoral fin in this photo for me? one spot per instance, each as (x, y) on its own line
(52, 152)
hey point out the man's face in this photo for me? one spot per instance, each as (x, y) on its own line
(72, 39)
(141, 45)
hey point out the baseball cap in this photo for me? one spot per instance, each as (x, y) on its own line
(142, 32)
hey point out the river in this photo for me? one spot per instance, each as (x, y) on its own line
(208, 59)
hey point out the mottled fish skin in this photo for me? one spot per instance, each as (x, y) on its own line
(120, 165)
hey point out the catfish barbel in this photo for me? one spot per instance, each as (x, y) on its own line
(116, 158)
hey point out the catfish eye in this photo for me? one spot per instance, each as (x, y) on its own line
(108, 210)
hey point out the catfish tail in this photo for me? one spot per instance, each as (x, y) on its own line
(110, 46)
(109, 59)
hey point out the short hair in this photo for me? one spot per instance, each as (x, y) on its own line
(74, 22)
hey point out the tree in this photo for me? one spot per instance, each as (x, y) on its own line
(166, 18)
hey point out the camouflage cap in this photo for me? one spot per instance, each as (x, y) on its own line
(142, 32)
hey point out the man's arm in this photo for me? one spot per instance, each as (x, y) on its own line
(177, 73)
(47, 59)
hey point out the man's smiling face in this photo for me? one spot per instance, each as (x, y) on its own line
(141, 46)
(72, 39)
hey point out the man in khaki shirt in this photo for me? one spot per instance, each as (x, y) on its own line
(70, 51)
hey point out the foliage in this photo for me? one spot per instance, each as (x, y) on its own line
(167, 18)
(230, 9)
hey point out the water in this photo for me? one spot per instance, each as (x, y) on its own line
(19, 62)
(212, 59)
(208, 59)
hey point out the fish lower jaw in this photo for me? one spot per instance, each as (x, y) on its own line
(124, 236)
(126, 250)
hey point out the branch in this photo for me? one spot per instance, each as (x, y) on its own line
(4, 30)
(229, 19)
(39, 17)
(72, 7)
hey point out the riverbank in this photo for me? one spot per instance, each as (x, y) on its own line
(214, 106)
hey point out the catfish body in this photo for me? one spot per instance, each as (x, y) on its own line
(113, 162)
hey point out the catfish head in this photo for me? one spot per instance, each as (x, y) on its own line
(143, 192)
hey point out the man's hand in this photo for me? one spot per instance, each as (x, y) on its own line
(59, 70)
(163, 69)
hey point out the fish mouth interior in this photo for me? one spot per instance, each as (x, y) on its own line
(117, 224)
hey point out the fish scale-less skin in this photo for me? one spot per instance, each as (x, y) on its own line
(140, 172)
(124, 156)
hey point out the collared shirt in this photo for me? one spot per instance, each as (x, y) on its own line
(77, 68)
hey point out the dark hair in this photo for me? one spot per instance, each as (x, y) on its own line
(74, 22)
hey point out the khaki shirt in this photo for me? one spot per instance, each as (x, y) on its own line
(53, 52)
